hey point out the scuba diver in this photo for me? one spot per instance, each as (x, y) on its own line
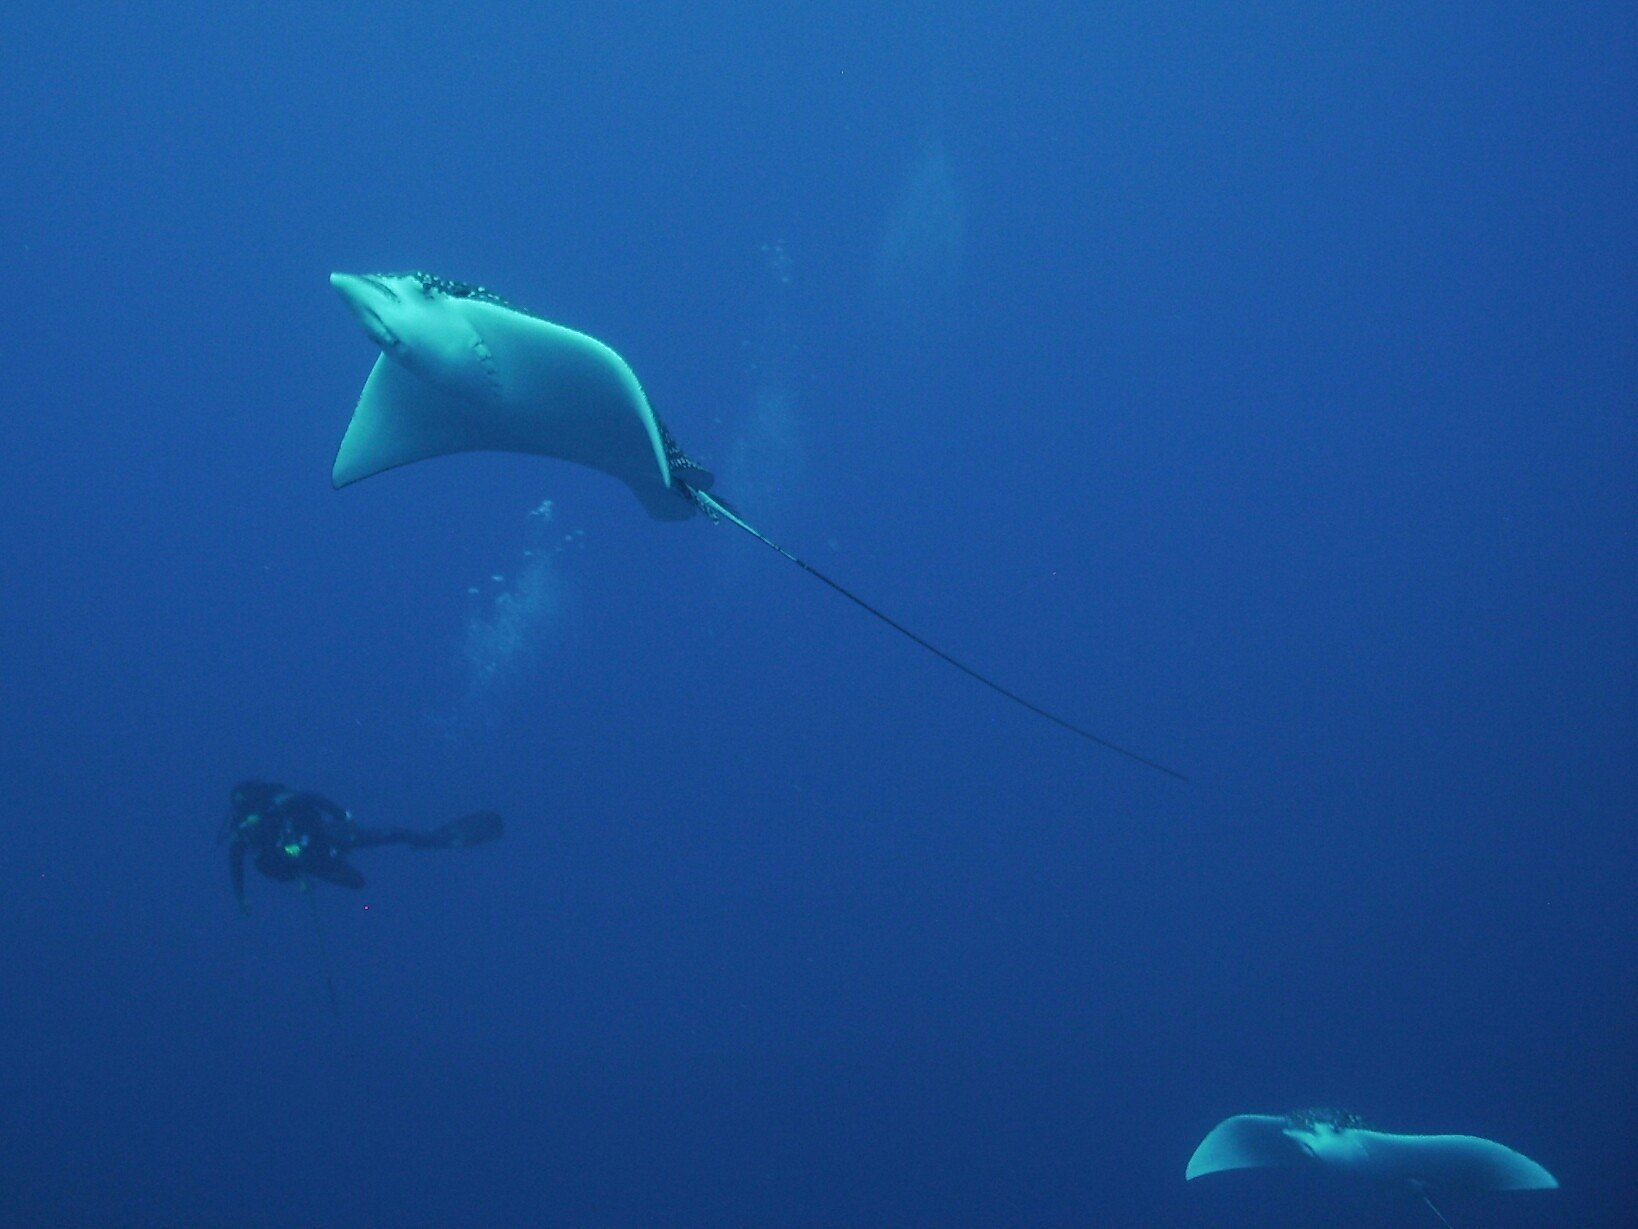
(303, 836)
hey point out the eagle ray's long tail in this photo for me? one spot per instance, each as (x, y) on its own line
(715, 509)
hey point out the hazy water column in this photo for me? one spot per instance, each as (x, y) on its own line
(914, 308)
(916, 281)
(764, 462)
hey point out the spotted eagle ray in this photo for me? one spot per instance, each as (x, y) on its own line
(463, 370)
(1341, 1143)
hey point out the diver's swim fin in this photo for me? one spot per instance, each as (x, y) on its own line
(472, 829)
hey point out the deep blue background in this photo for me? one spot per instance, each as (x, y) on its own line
(1253, 383)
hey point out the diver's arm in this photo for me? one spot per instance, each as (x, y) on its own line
(236, 872)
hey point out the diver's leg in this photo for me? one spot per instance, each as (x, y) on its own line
(472, 829)
(364, 838)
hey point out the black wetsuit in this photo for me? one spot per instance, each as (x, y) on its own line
(300, 835)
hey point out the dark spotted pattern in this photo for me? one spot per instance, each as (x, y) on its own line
(432, 285)
(1308, 1119)
(677, 461)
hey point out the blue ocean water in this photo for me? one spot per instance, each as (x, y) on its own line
(1253, 384)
